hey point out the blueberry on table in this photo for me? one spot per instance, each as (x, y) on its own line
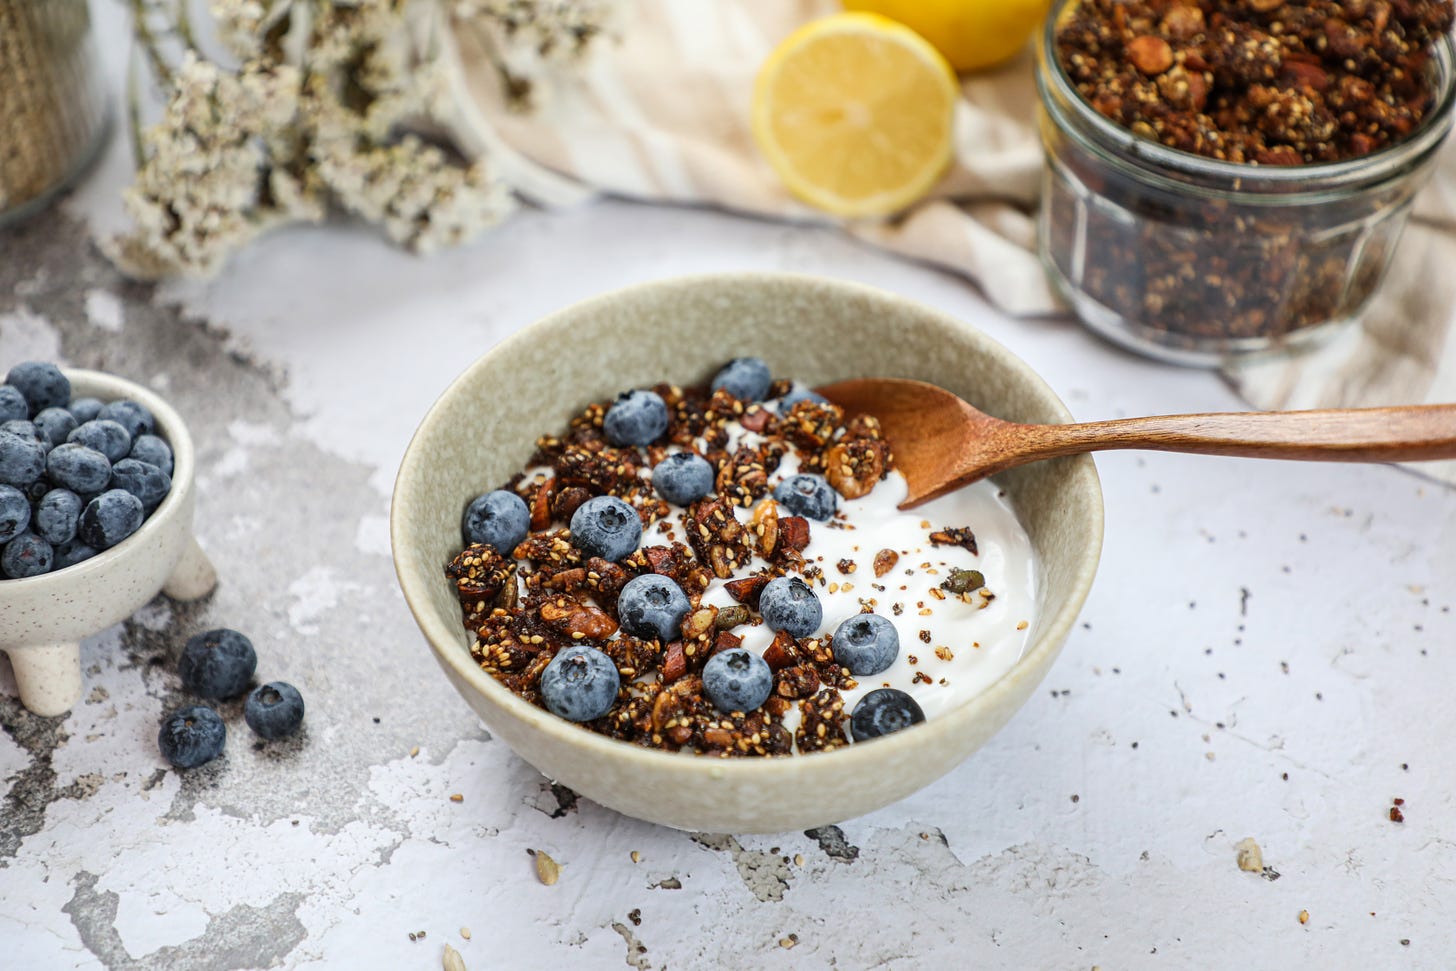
(27, 555)
(54, 425)
(498, 519)
(13, 406)
(866, 644)
(110, 518)
(107, 437)
(135, 418)
(883, 711)
(153, 451)
(580, 683)
(14, 513)
(218, 663)
(42, 384)
(745, 378)
(85, 409)
(57, 515)
(78, 468)
(274, 710)
(737, 680)
(807, 495)
(21, 459)
(652, 606)
(69, 554)
(606, 526)
(683, 478)
(787, 604)
(147, 482)
(192, 736)
(636, 418)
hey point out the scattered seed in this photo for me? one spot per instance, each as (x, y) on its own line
(788, 942)
(1304, 917)
(465, 933)
(636, 857)
(548, 871)
(414, 751)
(457, 797)
(798, 859)
(451, 960)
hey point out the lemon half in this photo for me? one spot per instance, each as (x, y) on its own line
(855, 112)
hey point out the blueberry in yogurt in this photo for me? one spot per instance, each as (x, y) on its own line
(745, 378)
(737, 680)
(789, 605)
(636, 418)
(192, 736)
(807, 495)
(497, 519)
(882, 712)
(580, 684)
(866, 644)
(652, 606)
(606, 526)
(683, 478)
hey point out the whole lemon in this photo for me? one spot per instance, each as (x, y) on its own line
(972, 34)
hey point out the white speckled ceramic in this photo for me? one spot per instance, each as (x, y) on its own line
(44, 618)
(482, 430)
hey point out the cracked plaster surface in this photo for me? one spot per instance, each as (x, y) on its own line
(1097, 829)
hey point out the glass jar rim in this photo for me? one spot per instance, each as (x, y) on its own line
(1158, 158)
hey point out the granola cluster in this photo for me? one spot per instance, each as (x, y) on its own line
(1271, 82)
(546, 595)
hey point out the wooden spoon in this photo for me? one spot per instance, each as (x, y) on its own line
(941, 443)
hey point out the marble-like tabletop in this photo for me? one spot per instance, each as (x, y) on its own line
(1266, 654)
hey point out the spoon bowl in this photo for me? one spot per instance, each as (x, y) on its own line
(942, 443)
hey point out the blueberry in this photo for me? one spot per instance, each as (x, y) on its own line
(652, 606)
(883, 711)
(21, 459)
(85, 409)
(27, 555)
(274, 710)
(42, 384)
(217, 664)
(14, 513)
(580, 683)
(606, 526)
(78, 468)
(787, 604)
(54, 424)
(800, 393)
(147, 482)
(153, 451)
(135, 418)
(107, 437)
(191, 736)
(57, 515)
(808, 495)
(110, 518)
(636, 418)
(683, 478)
(498, 519)
(866, 644)
(745, 378)
(69, 554)
(25, 429)
(737, 680)
(12, 404)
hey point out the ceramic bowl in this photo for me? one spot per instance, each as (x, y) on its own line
(44, 618)
(482, 429)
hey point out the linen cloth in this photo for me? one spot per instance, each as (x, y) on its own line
(662, 114)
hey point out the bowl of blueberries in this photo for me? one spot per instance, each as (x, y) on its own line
(96, 504)
(661, 636)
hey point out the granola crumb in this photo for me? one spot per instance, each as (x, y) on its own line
(788, 942)
(1250, 858)
(465, 933)
(548, 871)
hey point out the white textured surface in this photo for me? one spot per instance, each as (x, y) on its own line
(1097, 829)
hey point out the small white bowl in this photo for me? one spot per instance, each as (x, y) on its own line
(44, 618)
(484, 426)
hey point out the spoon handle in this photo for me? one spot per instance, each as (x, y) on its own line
(1404, 434)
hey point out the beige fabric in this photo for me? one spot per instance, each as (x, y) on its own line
(664, 115)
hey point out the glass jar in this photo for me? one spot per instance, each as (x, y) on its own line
(1196, 260)
(53, 114)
